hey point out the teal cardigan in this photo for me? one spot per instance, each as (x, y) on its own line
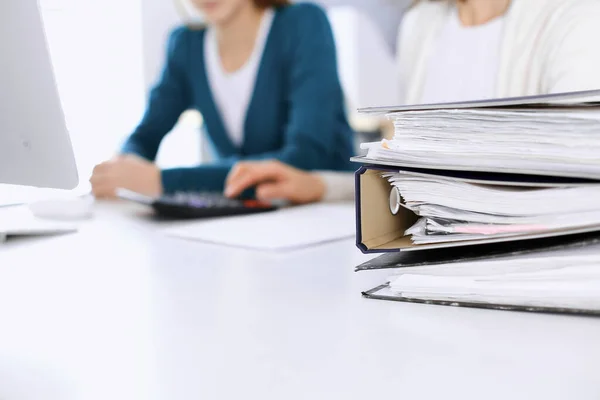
(296, 113)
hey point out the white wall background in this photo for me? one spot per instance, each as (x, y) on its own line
(386, 14)
(158, 18)
(96, 48)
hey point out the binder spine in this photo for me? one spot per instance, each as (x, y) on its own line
(359, 240)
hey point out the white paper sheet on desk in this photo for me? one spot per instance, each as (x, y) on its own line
(282, 230)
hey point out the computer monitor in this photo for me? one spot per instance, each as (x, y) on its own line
(35, 148)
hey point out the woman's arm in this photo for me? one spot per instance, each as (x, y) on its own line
(168, 100)
(339, 186)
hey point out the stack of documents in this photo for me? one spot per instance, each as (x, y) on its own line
(518, 174)
(559, 140)
(453, 210)
(558, 280)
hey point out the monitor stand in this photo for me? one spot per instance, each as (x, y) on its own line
(16, 220)
(34, 228)
(14, 195)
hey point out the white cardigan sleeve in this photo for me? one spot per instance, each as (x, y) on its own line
(339, 186)
(573, 64)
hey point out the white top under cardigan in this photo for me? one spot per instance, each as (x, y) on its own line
(464, 61)
(232, 91)
(547, 46)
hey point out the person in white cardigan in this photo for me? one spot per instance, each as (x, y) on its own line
(455, 50)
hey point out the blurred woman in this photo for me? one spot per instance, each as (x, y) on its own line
(480, 49)
(263, 74)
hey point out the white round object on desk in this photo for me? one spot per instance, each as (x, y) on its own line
(395, 201)
(63, 209)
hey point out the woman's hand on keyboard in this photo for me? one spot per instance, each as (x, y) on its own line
(275, 181)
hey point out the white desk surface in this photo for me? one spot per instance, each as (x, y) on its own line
(119, 311)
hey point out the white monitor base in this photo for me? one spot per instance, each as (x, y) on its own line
(19, 221)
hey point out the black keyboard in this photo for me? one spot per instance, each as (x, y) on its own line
(197, 205)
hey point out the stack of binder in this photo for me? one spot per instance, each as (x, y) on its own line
(492, 204)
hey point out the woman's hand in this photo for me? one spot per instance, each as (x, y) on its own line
(275, 181)
(127, 172)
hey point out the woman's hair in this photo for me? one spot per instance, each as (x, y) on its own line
(183, 12)
(258, 3)
(271, 3)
